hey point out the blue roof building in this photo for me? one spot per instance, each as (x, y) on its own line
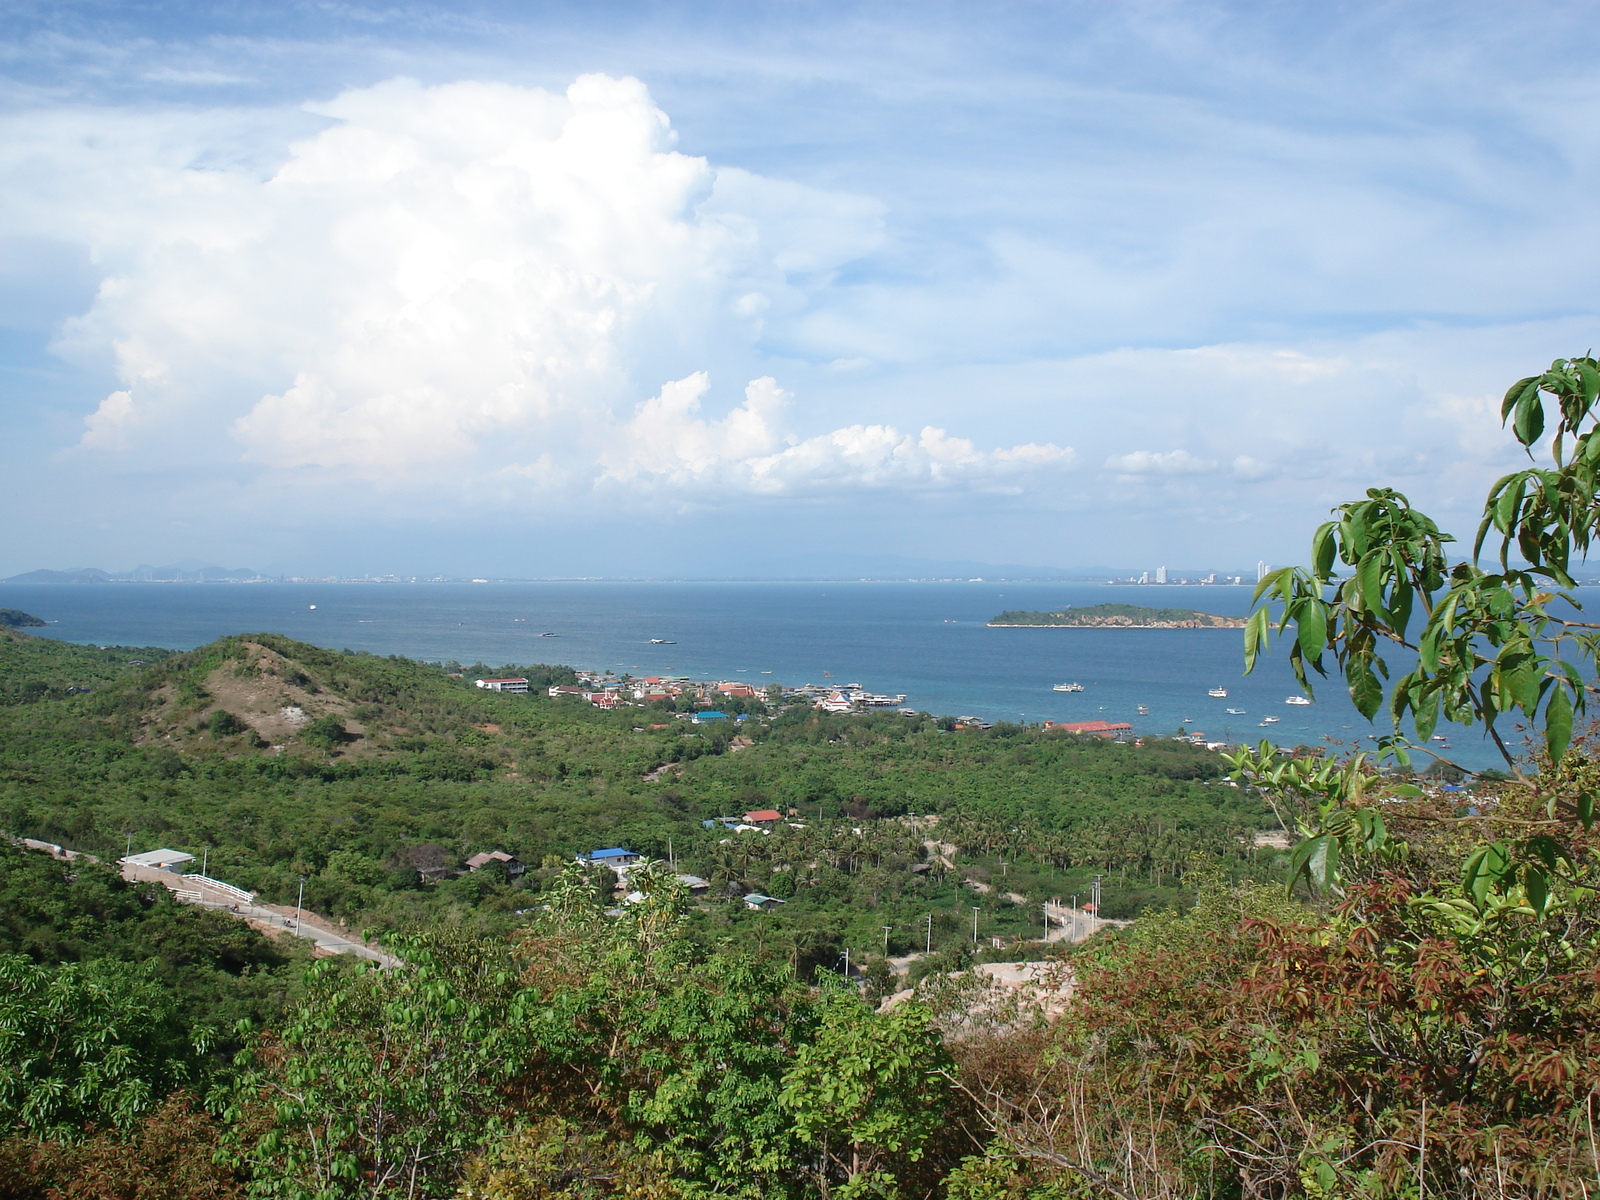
(614, 856)
(701, 718)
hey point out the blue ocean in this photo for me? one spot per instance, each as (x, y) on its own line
(928, 640)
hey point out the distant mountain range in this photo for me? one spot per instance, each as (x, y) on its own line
(184, 572)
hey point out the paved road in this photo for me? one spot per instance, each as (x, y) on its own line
(317, 929)
(270, 916)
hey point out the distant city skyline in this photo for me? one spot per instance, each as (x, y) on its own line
(661, 290)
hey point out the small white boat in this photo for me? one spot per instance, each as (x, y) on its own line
(1265, 724)
(1218, 693)
(1236, 712)
(1297, 700)
(662, 642)
(1270, 720)
(1144, 710)
(1068, 687)
(1438, 737)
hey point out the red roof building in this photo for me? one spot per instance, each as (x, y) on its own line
(1098, 728)
(763, 816)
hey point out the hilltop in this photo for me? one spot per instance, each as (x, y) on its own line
(1118, 616)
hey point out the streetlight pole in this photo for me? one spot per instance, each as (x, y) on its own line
(886, 929)
(299, 904)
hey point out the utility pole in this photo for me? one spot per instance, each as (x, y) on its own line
(886, 929)
(205, 861)
(974, 926)
(930, 933)
(299, 904)
(129, 852)
(1074, 936)
(671, 861)
(1047, 920)
(847, 962)
(1094, 921)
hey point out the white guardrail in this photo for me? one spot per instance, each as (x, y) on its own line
(203, 888)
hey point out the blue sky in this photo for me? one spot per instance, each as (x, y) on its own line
(674, 288)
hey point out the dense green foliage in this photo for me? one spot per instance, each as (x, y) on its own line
(217, 970)
(398, 766)
(15, 618)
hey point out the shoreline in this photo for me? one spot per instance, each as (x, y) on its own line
(1223, 628)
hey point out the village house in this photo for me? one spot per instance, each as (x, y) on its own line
(760, 903)
(513, 684)
(616, 856)
(513, 865)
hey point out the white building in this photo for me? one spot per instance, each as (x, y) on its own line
(1161, 574)
(161, 860)
(504, 685)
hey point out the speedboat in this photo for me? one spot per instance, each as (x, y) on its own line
(1270, 720)
(1236, 712)
(1218, 693)
(1068, 687)
(1144, 710)
(1298, 700)
(662, 642)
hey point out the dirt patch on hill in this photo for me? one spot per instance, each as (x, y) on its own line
(268, 694)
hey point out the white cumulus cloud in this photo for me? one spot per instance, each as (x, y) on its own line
(1149, 462)
(471, 281)
(669, 444)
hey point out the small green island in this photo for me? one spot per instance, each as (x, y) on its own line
(15, 618)
(1116, 616)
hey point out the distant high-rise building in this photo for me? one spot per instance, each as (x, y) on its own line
(1144, 577)
(1161, 574)
(1261, 571)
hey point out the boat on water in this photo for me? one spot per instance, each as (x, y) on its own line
(662, 642)
(1438, 737)
(1298, 700)
(1270, 720)
(1218, 693)
(1236, 712)
(1144, 710)
(549, 635)
(1068, 687)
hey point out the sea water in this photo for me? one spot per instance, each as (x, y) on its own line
(928, 640)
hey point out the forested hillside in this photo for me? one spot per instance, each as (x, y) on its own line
(283, 760)
(545, 1036)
